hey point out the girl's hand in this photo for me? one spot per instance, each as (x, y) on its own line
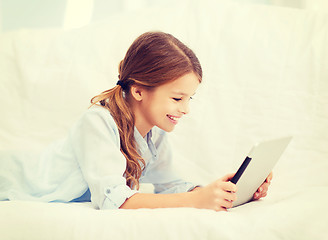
(218, 195)
(263, 189)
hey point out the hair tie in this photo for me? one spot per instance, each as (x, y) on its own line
(121, 83)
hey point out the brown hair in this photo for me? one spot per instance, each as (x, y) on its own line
(153, 59)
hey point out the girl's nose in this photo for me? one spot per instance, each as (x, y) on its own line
(185, 108)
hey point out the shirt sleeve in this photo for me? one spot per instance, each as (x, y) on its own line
(96, 145)
(162, 174)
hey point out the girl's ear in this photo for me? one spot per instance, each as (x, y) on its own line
(136, 92)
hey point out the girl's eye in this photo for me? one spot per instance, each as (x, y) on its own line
(179, 99)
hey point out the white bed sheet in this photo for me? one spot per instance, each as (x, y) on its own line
(296, 215)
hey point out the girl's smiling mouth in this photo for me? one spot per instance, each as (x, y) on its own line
(173, 119)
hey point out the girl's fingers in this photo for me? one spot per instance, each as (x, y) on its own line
(229, 187)
(256, 196)
(229, 196)
(227, 177)
(223, 192)
(259, 195)
(225, 204)
(264, 187)
(269, 178)
(261, 191)
(220, 208)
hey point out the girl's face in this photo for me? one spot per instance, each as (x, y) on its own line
(164, 105)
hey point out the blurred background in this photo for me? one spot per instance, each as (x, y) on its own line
(68, 14)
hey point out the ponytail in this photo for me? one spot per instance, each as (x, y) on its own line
(113, 100)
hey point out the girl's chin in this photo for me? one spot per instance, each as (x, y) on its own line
(167, 128)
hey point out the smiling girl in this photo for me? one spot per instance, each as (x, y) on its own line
(120, 141)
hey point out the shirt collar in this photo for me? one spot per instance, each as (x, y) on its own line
(142, 142)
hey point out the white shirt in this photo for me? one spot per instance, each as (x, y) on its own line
(89, 160)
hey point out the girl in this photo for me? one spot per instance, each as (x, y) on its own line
(121, 140)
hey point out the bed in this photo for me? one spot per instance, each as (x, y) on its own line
(265, 76)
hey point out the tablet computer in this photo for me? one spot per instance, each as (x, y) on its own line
(256, 167)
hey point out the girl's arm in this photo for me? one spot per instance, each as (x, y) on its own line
(217, 196)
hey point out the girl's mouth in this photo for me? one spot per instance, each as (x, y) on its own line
(173, 119)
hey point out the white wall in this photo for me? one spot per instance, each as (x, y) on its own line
(289, 3)
(317, 5)
(16, 14)
(78, 17)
